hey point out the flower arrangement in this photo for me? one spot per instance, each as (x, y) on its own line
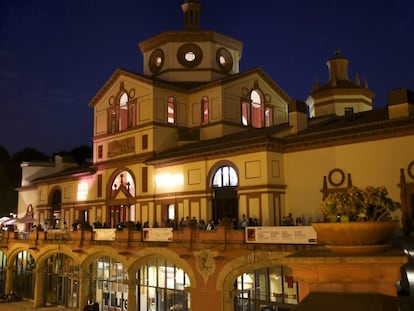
(356, 204)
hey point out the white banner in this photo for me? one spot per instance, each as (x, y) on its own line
(158, 234)
(281, 235)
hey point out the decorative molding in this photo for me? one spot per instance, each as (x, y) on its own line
(336, 177)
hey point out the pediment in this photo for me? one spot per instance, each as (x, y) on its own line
(114, 83)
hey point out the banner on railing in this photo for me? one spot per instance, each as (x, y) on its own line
(158, 234)
(281, 235)
(104, 234)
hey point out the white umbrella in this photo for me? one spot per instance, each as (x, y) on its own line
(10, 221)
(3, 219)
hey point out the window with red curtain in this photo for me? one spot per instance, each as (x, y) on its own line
(245, 118)
(257, 109)
(171, 110)
(123, 112)
(268, 117)
(204, 110)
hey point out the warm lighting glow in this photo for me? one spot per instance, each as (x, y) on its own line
(82, 191)
(169, 180)
(410, 276)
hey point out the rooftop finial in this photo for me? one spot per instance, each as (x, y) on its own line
(337, 52)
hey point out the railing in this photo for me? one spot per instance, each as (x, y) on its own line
(184, 234)
(127, 236)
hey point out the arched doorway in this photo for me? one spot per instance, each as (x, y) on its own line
(121, 199)
(24, 275)
(61, 281)
(109, 287)
(225, 200)
(162, 287)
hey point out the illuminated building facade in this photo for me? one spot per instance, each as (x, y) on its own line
(192, 137)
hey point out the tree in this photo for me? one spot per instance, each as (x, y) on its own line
(9, 179)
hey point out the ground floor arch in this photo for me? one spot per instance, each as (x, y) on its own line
(260, 281)
(157, 278)
(152, 280)
(21, 272)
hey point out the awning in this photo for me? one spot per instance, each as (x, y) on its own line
(27, 219)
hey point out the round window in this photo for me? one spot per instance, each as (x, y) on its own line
(224, 60)
(156, 60)
(189, 55)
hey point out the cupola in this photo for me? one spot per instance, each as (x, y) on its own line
(191, 55)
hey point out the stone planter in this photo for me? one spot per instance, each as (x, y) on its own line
(355, 237)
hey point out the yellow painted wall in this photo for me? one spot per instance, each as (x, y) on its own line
(375, 163)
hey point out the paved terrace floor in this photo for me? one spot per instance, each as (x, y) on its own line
(27, 305)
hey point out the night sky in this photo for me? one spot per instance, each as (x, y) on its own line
(56, 54)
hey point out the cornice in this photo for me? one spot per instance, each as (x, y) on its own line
(189, 36)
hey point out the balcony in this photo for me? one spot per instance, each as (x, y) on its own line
(183, 238)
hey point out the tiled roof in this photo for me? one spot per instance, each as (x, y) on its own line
(69, 172)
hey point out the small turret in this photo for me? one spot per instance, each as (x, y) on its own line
(338, 67)
(339, 94)
(191, 10)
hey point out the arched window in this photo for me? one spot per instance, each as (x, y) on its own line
(225, 176)
(111, 284)
(171, 106)
(121, 114)
(204, 109)
(245, 119)
(254, 112)
(163, 286)
(122, 200)
(257, 109)
(124, 179)
(272, 287)
(53, 219)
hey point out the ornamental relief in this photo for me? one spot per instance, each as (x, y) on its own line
(122, 146)
(205, 262)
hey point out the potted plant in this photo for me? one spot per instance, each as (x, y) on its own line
(357, 220)
(356, 204)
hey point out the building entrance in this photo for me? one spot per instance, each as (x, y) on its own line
(117, 215)
(225, 203)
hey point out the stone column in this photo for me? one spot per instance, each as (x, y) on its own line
(9, 278)
(132, 293)
(39, 300)
(84, 288)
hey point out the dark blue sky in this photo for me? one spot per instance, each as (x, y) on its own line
(55, 55)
